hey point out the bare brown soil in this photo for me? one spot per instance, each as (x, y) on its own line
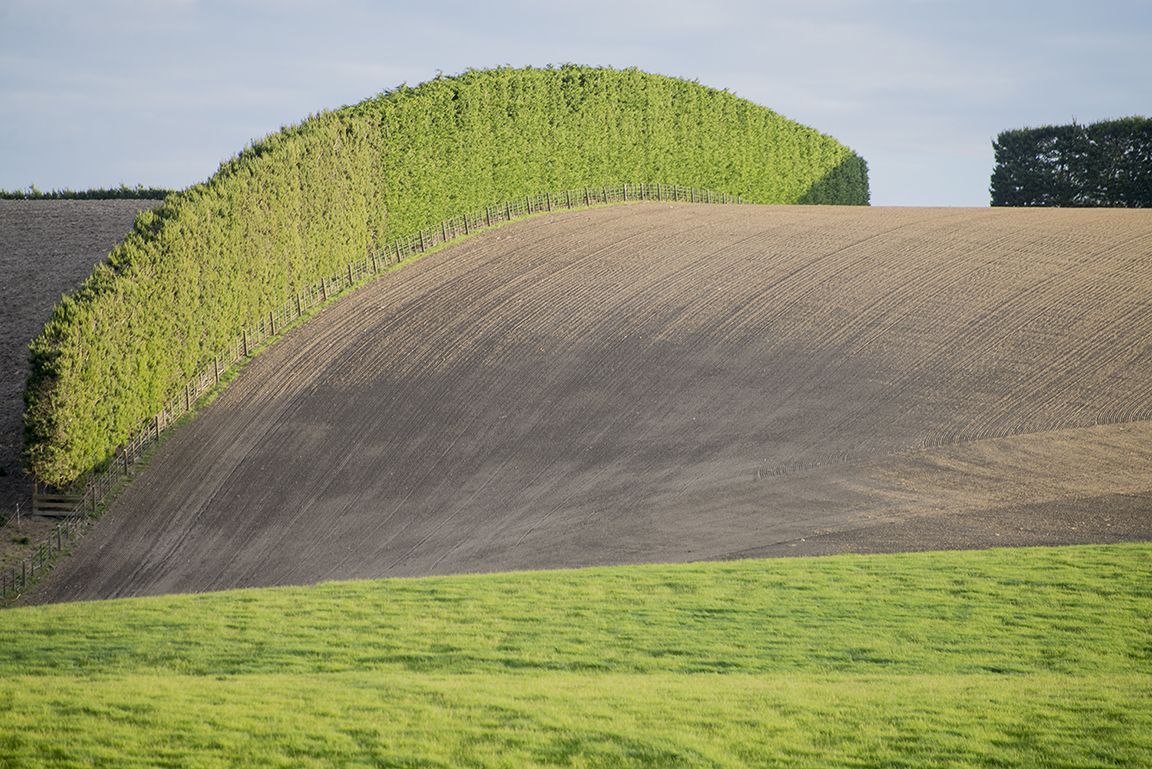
(668, 383)
(47, 248)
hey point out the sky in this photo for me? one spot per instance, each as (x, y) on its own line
(98, 93)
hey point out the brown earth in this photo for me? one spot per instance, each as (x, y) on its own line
(668, 383)
(47, 248)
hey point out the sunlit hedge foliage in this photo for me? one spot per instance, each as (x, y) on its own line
(301, 203)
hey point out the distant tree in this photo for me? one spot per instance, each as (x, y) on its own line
(1102, 164)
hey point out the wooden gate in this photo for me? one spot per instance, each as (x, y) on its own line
(46, 505)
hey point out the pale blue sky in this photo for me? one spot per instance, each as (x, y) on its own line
(95, 93)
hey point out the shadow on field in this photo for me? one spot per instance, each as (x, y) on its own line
(841, 186)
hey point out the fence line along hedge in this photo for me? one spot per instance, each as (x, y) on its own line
(1102, 164)
(301, 203)
(99, 485)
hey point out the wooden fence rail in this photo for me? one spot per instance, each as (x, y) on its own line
(76, 507)
(46, 505)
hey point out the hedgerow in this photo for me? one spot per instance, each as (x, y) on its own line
(491, 135)
(299, 204)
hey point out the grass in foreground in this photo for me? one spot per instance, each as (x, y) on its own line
(1036, 657)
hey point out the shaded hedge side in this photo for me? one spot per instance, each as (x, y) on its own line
(1102, 164)
(303, 202)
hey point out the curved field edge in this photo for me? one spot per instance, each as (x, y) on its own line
(298, 205)
(1033, 657)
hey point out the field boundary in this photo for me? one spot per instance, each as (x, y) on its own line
(99, 486)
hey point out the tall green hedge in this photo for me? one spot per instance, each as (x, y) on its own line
(1101, 164)
(461, 143)
(299, 204)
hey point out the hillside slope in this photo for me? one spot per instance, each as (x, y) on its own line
(657, 382)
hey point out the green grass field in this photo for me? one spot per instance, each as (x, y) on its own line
(1013, 658)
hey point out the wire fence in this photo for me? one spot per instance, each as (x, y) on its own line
(16, 579)
(84, 505)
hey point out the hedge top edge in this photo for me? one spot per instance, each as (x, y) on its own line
(313, 197)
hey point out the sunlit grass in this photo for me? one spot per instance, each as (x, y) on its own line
(1039, 657)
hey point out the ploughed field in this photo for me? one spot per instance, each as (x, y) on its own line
(666, 383)
(47, 248)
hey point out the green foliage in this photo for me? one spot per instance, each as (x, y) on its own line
(290, 208)
(460, 143)
(1023, 658)
(1103, 164)
(302, 203)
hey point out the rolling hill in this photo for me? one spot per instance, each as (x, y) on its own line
(667, 383)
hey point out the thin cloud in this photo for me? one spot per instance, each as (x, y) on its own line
(168, 88)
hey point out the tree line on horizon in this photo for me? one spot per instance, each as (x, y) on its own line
(1103, 164)
(123, 192)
